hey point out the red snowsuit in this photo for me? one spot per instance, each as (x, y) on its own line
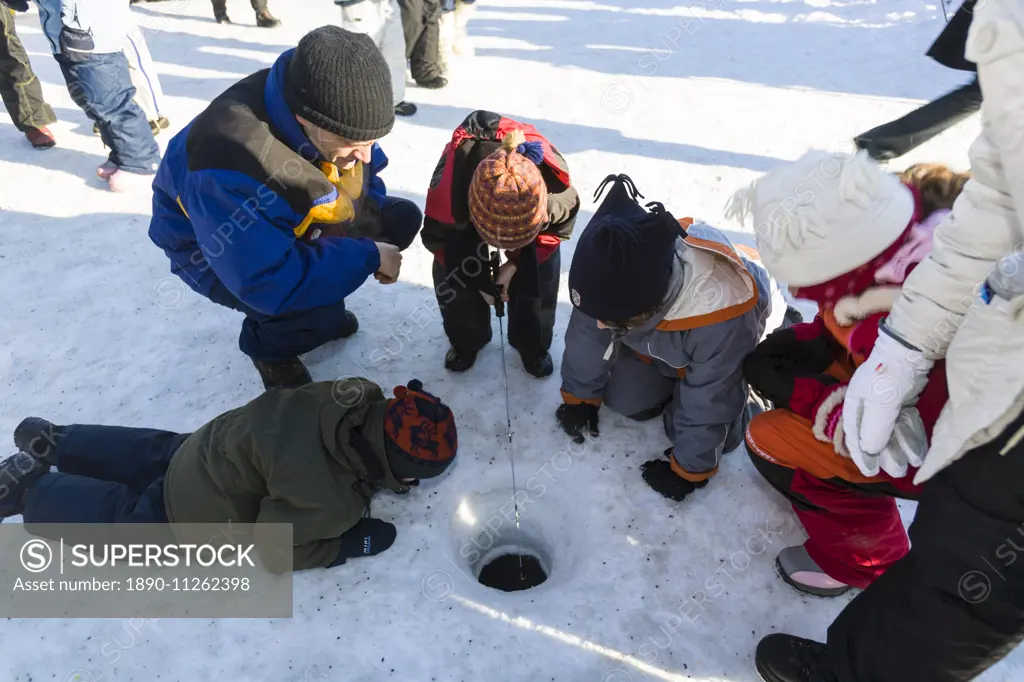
(854, 527)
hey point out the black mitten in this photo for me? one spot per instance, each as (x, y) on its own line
(574, 418)
(366, 538)
(659, 475)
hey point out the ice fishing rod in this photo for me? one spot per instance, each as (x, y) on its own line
(499, 311)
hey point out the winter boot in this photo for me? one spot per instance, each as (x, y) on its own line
(350, 326)
(798, 570)
(19, 472)
(221, 16)
(38, 437)
(405, 109)
(459, 360)
(123, 181)
(539, 366)
(264, 19)
(40, 138)
(283, 373)
(435, 83)
(785, 658)
(106, 169)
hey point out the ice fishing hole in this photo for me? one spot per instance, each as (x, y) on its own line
(512, 572)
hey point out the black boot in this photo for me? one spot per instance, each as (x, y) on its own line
(785, 658)
(18, 473)
(435, 83)
(283, 373)
(221, 16)
(264, 19)
(405, 109)
(350, 326)
(39, 438)
(459, 360)
(539, 366)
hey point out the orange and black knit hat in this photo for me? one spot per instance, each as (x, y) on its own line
(420, 437)
(508, 199)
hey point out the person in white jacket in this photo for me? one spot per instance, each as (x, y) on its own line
(954, 606)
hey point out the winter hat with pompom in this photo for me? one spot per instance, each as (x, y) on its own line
(420, 438)
(508, 200)
(824, 215)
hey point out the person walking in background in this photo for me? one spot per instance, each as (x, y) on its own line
(20, 89)
(899, 137)
(264, 19)
(302, 457)
(954, 605)
(421, 21)
(286, 235)
(382, 21)
(499, 184)
(455, 15)
(149, 95)
(87, 38)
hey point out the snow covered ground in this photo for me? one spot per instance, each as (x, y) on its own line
(692, 100)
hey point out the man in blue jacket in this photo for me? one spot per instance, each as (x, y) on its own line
(269, 202)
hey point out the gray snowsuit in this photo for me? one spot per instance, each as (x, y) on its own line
(690, 354)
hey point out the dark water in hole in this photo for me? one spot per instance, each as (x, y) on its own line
(503, 573)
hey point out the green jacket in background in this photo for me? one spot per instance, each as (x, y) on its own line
(287, 457)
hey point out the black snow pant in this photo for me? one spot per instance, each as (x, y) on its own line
(954, 606)
(421, 22)
(898, 137)
(530, 316)
(221, 6)
(19, 87)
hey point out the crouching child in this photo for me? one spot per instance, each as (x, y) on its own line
(312, 457)
(664, 311)
(499, 184)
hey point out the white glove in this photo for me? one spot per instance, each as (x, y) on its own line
(890, 379)
(907, 447)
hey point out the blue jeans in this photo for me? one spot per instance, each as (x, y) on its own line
(281, 337)
(101, 85)
(107, 474)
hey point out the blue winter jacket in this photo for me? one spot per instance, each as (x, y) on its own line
(239, 192)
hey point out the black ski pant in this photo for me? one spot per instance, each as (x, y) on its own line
(898, 137)
(530, 317)
(421, 22)
(19, 87)
(221, 6)
(954, 606)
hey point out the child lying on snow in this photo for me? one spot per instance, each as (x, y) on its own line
(664, 311)
(848, 244)
(322, 451)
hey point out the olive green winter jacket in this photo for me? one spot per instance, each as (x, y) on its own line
(287, 457)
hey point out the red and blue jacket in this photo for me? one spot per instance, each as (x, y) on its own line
(243, 197)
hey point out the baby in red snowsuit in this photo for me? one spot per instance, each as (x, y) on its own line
(841, 232)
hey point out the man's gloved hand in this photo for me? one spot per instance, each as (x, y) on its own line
(890, 379)
(574, 418)
(367, 538)
(659, 475)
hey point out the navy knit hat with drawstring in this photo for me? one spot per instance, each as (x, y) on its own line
(622, 266)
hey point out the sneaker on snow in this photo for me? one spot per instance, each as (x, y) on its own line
(40, 138)
(38, 437)
(18, 472)
(539, 366)
(435, 83)
(798, 570)
(124, 181)
(785, 658)
(405, 109)
(264, 19)
(283, 373)
(459, 360)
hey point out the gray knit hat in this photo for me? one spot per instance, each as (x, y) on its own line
(338, 80)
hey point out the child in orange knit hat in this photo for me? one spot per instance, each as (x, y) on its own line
(499, 185)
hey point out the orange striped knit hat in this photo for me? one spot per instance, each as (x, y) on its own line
(508, 200)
